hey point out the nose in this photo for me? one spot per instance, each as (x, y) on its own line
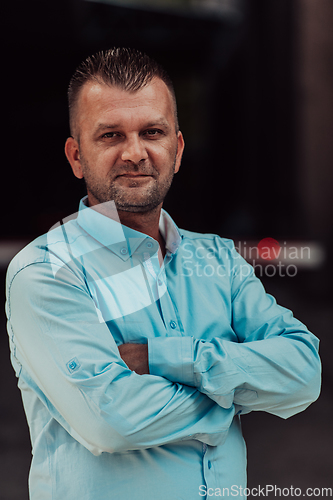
(134, 150)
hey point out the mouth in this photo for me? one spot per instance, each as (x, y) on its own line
(134, 176)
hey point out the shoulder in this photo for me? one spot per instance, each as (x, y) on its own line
(34, 252)
(49, 248)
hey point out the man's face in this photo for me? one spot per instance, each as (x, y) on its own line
(128, 149)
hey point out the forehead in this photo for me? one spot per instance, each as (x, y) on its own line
(99, 101)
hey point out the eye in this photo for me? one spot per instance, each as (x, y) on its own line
(153, 132)
(110, 135)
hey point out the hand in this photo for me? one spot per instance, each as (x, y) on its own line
(136, 357)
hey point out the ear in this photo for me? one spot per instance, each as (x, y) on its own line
(180, 149)
(72, 152)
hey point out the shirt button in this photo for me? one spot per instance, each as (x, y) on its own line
(72, 365)
(209, 464)
(173, 324)
(159, 282)
(123, 251)
(149, 244)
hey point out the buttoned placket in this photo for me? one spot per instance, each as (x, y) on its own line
(167, 309)
(208, 459)
(172, 322)
(158, 282)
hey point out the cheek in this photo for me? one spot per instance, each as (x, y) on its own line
(165, 154)
(101, 160)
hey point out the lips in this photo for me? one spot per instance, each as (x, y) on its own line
(134, 175)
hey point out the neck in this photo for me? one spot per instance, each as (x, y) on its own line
(146, 223)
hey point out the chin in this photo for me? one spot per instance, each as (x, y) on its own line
(136, 208)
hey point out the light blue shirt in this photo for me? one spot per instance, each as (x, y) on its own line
(219, 347)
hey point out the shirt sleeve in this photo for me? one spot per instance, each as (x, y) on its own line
(71, 357)
(274, 366)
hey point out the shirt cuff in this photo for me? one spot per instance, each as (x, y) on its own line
(172, 358)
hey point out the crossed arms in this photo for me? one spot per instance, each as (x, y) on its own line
(136, 357)
(134, 396)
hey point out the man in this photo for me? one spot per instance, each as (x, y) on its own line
(138, 345)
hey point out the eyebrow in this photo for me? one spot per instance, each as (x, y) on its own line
(104, 126)
(159, 122)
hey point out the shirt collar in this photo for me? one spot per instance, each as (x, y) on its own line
(123, 240)
(170, 232)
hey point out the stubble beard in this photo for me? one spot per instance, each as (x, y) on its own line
(126, 197)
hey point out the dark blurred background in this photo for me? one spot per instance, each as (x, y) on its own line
(254, 82)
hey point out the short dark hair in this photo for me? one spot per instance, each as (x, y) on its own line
(126, 68)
